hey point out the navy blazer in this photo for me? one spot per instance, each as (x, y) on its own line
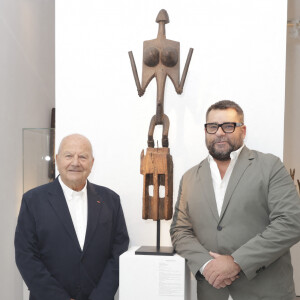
(48, 253)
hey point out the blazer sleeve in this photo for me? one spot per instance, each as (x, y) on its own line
(35, 274)
(283, 230)
(109, 281)
(183, 238)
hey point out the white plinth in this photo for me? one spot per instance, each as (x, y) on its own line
(153, 277)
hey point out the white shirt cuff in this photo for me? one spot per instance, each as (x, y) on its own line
(203, 267)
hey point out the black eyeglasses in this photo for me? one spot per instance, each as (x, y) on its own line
(227, 127)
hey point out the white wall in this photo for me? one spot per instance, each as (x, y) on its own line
(292, 111)
(26, 99)
(239, 54)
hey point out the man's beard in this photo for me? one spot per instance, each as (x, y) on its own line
(222, 155)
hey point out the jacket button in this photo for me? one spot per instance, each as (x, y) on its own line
(219, 228)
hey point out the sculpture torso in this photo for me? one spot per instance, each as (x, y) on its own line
(167, 55)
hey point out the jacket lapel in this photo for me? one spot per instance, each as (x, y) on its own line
(58, 202)
(206, 187)
(244, 161)
(95, 205)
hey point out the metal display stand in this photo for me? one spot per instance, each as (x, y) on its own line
(156, 250)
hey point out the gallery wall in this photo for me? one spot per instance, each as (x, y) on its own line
(26, 99)
(239, 54)
(292, 111)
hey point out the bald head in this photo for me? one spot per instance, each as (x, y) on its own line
(75, 137)
(75, 160)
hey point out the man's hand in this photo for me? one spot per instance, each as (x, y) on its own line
(221, 271)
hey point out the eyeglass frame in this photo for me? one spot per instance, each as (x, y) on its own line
(221, 125)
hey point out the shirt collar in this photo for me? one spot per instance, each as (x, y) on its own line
(69, 192)
(233, 155)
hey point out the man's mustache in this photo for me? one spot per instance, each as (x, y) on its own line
(219, 140)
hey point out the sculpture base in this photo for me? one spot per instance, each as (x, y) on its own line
(154, 277)
(157, 170)
(153, 250)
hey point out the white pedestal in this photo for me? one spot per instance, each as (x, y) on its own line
(150, 277)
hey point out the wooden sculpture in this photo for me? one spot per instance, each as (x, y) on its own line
(292, 173)
(161, 58)
(157, 168)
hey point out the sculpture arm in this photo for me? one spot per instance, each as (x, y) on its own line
(179, 89)
(135, 75)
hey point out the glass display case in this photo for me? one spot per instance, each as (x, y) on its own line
(38, 162)
(38, 157)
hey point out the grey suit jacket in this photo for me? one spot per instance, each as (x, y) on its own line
(259, 222)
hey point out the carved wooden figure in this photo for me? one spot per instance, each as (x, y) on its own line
(161, 58)
(292, 173)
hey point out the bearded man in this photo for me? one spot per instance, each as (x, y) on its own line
(237, 215)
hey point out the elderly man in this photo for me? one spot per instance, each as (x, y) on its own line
(70, 232)
(237, 215)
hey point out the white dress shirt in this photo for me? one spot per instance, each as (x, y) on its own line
(220, 185)
(77, 204)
